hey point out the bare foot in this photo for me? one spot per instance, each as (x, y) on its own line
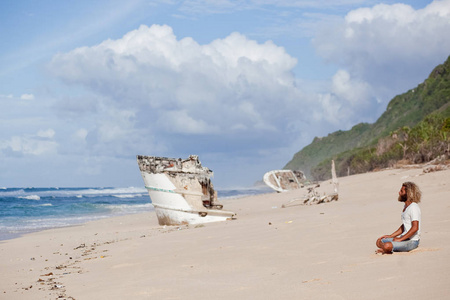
(382, 252)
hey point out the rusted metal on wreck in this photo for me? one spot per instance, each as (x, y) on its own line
(181, 190)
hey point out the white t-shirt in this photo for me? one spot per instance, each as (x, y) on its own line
(412, 213)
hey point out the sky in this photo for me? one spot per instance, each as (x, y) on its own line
(85, 86)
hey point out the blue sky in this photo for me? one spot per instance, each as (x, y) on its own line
(85, 86)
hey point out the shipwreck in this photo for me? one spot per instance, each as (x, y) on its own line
(181, 190)
(284, 180)
(319, 193)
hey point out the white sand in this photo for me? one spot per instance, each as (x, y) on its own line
(321, 251)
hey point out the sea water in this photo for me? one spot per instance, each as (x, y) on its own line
(24, 210)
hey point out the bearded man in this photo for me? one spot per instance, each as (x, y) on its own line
(407, 236)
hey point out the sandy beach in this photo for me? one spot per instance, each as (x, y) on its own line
(324, 251)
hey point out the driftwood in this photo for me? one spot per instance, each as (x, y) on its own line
(434, 168)
(314, 196)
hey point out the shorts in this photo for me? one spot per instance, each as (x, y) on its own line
(403, 246)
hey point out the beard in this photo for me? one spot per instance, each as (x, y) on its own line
(402, 198)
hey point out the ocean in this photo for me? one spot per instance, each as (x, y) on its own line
(24, 210)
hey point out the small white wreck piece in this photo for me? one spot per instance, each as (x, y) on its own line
(284, 180)
(181, 190)
(314, 195)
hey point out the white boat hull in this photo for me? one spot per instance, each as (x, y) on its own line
(179, 193)
(283, 180)
(171, 216)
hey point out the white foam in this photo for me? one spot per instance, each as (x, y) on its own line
(129, 209)
(127, 195)
(31, 197)
(113, 191)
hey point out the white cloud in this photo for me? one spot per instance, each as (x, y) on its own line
(181, 122)
(391, 47)
(354, 92)
(22, 97)
(349, 99)
(116, 125)
(39, 144)
(151, 84)
(154, 91)
(49, 133)
(330, 111)
(81, 134)
(27, 97)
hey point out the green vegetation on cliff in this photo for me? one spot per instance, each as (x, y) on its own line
(414, 127)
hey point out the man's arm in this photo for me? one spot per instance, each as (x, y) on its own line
(396, 233)
(410, 233)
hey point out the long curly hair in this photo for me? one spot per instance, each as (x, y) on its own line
(413, 192)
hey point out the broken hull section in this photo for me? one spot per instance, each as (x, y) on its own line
(284, 180)
(181, 191)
